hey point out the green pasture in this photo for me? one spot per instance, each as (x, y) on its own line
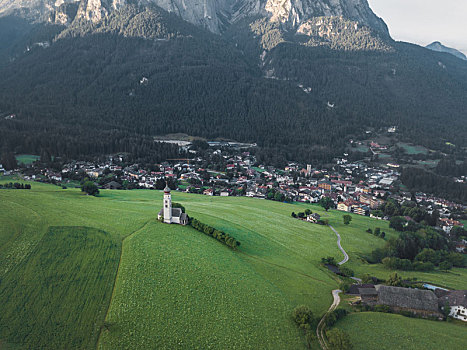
(362, 148)
(26, 159)
(452, 279)
(58, 296)
(412, 149)
(175, 287)
(380, 331)
(179, 289)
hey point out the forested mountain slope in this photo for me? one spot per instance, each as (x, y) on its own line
(92, 87)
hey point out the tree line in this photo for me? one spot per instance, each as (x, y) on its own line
(420, 250)
(221, 236)
(16, 185)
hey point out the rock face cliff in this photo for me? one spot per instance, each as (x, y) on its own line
(214, 15)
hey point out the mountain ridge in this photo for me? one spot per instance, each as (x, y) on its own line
(214, 15)
(437, 46)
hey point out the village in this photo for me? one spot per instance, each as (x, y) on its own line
(231, 169)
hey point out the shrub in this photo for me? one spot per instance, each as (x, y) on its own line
(456, 259)
(382, 308)
(330, 260)
(445, 265)
(344, 286)
(346, 271)
(90, 188)
(347, 219)
(338, 339)
(302, 316)
(421, 266)
(335, 316)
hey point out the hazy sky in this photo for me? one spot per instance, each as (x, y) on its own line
(425, 21)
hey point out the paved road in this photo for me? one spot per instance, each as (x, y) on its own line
(346, 256)
(322, 323)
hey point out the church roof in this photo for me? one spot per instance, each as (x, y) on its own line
(177, 212)
(167, 188)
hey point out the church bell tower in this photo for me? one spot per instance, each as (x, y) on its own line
(167, 205)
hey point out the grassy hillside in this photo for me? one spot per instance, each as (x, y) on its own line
(178, 289)
(57, 297)
(369, 331)
(175, 287)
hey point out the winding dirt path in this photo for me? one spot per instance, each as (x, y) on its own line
(346, 256)
(322, 323)
(335, 294)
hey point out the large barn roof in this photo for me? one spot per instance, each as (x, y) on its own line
(454, 298)
(407, 298)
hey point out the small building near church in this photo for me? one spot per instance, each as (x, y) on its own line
(171, 215)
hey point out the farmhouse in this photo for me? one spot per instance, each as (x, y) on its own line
(313, 218)
(417, 300)
(457, 301)
(171, 215)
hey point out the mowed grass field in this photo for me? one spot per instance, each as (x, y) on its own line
(175, 287)
(380, 331)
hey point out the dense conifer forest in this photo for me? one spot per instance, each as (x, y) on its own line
(112, 86)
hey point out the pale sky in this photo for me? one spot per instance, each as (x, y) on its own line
(424, 21)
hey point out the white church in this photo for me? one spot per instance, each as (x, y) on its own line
(171, 215)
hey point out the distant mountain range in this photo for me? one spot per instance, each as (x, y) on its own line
(298, 77)
(437, 46)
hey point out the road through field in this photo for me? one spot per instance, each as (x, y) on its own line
(335, 295)
(321, 324)
(346, 256)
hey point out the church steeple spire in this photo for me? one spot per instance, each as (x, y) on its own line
(167, 205)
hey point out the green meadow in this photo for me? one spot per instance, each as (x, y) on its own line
(380, 331)
(26, 159)
(79, 272)
(412, 149)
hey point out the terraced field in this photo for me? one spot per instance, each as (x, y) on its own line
(175, 287)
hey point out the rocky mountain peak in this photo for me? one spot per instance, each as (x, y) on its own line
(214, 15)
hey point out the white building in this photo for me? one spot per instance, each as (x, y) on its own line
(459, 312)
(457, 301)
(171, 215)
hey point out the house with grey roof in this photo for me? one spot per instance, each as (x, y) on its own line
(417, 300)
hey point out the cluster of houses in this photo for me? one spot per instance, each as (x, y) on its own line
(421, 302)
(227, 171)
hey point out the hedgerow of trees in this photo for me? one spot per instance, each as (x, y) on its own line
(221, 236)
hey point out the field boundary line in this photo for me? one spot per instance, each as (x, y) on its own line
(116, 277)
